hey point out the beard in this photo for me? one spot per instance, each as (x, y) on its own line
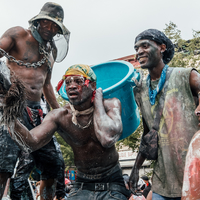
(79, 102)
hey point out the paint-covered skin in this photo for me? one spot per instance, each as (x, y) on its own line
(191, 181)
(149, 56)
(93, 147)
(20, 43)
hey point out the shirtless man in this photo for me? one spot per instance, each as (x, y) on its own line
(91, 126)
(35, 52)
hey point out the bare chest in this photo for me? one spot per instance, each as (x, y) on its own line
(28, 50)
(77, 134)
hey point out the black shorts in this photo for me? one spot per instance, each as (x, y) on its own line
(49, 161)
(9, 151)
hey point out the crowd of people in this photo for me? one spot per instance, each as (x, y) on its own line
(168, 100)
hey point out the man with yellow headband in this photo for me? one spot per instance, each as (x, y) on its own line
(90, 125)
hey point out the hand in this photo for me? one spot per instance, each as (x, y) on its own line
(133, 180)
(98, 96)
(4, 76)
(99, 93)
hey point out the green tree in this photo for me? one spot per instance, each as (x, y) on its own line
(186, 51)
(172, 32)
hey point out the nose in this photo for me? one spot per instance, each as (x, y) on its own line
(140, 51)
(197, 113)
(71, 85)
(49, 26)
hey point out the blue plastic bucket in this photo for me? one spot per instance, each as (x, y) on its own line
(114, 78)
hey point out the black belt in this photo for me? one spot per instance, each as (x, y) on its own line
(103, 187)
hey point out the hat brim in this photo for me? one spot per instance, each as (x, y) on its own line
(64, 30)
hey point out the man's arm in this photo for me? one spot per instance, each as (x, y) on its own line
(7, 40)
(107, 121)
(49, 93)
(195, 87)
(134, 177)
(37, 137)
(47, 88)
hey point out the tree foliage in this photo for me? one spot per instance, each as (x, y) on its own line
(186, 51)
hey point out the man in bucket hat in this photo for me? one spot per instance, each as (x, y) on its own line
(31, 55)
(175, 122)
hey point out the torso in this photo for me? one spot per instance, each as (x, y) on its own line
(26, 49)
(177, 126)
(88, 152)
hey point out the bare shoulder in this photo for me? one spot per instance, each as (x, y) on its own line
(194, 82)
(57, 114)
(195, 138)
(16, 31)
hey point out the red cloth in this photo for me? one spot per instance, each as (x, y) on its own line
(40, 113)
(67, 181)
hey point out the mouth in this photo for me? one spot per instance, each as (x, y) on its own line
(142, 59)
(47, 34)
(72, 95)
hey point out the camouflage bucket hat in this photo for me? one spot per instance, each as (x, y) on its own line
(53, 12)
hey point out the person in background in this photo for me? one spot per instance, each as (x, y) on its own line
(141, 186)
(68, 186)
(148, 186)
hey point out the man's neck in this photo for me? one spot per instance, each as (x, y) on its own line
(155, 72)
(83, 106)
(36, 35)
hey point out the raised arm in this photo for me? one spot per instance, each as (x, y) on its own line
(107, 119)
(47, 88)
(49, 93)
(37, 137)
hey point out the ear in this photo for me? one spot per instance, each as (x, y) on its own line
(162, 48)
(93, 85)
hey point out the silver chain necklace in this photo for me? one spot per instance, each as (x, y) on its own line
(44, 60)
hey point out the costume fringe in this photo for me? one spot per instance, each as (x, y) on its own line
(14, 101)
